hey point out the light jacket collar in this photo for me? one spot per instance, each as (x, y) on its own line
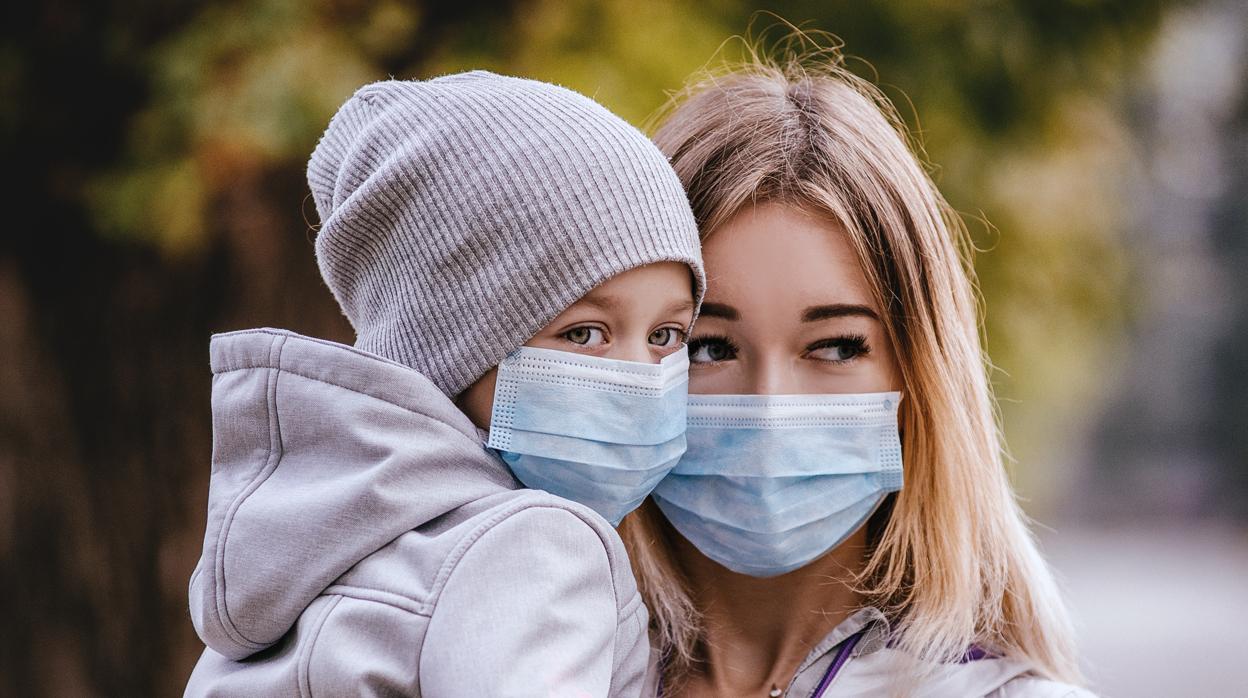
(869, 620)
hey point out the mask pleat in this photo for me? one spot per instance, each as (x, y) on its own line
(600, 432)
(771, 482)
(767, 505)
(599, 415)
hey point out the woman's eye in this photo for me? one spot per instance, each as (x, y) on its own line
(838, 349)
(709, 350)
(585, 336)
(666, 337)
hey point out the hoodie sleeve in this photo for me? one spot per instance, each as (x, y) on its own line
(530, 609)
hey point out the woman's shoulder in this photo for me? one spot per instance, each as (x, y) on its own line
(879, 671)
(1036, 687)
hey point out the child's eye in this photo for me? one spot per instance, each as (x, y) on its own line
(666, 337)
(838, 349)
(710, 350)
(585, 336)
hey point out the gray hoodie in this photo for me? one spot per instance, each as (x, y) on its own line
(362, 541)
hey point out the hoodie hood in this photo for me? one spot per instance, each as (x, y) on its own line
(322, 455)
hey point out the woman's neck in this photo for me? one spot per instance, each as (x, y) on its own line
(758, 631)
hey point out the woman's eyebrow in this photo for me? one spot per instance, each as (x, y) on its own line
(827, 312)
(720, 310)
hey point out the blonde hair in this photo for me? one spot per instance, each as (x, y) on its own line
(952, 563)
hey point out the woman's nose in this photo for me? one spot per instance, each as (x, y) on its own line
(772, 376)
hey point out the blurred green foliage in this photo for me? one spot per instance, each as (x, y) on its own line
(1019, 106)
(159, 148)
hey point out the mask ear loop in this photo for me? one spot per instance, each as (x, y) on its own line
(878, 520)
(901, 434)
(503, 408)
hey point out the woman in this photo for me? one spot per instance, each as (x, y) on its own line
(785, 556)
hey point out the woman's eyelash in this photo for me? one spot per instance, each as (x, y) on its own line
(856, 343)
(707, 339)
(712, 349)
(841, 341)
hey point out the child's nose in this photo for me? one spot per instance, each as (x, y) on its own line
(639, 351)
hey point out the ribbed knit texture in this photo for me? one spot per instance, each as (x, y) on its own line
(460, 215)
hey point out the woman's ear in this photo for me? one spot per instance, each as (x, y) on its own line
(477, 400)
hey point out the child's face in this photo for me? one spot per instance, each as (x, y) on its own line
(640, 315)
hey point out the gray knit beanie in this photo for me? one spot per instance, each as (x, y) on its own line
(460, 215)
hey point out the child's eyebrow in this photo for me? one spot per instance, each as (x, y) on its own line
(607, 302)
(601, 301)
(685, 306)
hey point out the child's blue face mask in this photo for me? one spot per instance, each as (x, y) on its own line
(771, 482)
(601, 432)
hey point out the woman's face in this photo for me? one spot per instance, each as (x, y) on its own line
(788, 311)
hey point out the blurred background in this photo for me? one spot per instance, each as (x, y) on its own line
(155, 154)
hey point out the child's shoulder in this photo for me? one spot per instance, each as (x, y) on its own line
(517, 535)
(536, 535)
(540, 520)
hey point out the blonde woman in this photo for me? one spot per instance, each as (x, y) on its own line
(842, 524)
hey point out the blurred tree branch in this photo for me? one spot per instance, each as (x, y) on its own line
(156, 154)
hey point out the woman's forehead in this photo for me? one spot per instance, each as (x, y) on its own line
(778, 256)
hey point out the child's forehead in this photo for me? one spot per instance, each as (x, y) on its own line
(651, 284)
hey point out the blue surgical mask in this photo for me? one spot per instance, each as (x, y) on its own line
(771, 482)
(601, 432)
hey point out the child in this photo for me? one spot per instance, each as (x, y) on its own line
(362, 539)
